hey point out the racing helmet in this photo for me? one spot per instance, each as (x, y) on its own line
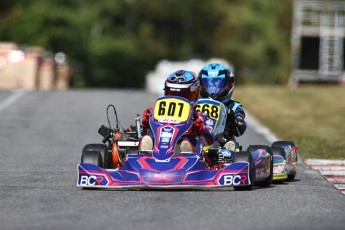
(183, 83)
(217, 82)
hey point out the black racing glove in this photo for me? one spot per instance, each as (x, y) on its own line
(235, 125)
(232, 123)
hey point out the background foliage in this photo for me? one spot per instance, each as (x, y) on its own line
(115, 43)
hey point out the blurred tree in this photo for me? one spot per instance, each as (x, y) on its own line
(256, 39)
(5, 7)
(117, 42)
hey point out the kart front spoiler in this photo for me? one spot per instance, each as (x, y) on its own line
(91, 176)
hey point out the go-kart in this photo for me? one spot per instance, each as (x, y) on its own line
(262, 155)
(279, 169)
(119, 164)
(289, 151)
(279, 159)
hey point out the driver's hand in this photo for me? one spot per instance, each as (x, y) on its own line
(198, 124)
(146, 118)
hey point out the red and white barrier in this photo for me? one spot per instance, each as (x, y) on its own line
(332, 170)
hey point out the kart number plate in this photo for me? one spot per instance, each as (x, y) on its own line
(171, 109)
(211, 110)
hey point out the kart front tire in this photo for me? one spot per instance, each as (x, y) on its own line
(91, 157)
(247, 157)
(106, 156)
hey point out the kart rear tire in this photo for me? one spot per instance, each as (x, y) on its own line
(280, 144)
(291, 177)
(247, 157)
(268, 180)
(106, 155)
(92, 157)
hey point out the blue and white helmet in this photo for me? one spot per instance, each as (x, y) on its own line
(184, 84)
(217, 82)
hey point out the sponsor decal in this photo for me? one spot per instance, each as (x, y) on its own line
(166, 134)
(278, 169)
(226, 153)
(231, 179)
(209, 123)
(165, 139)
(261, 173)
(85, 180)
(169, 120)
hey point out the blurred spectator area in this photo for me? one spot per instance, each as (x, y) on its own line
(31, 68)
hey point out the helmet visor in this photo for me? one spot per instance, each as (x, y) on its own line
(185, 93)
(215, 87)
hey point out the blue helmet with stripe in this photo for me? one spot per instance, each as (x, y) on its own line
(217, 82)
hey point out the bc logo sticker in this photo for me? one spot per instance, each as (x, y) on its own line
(229, 179)
(92, 180)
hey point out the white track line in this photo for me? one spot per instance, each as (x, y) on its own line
(329, 167)
(332, 173)
(338, 181)
(260, 129)
(321, 162)
(11, 99)
(340, 186)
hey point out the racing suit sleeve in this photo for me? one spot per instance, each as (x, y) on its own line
(236, 124)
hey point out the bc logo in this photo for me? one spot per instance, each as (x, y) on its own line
(92, 180)
(229, 180)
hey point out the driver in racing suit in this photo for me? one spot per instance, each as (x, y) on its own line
(218, 82)
(184, 84)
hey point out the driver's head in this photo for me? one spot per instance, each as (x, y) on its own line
(217, 82)
(183, 83)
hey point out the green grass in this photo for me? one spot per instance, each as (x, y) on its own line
(311, 116)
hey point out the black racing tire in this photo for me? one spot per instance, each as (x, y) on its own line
(291, 177)
(278, 182)
(247, 157)
(91, 157)
(105, 152)
(268, 180)
(280, 144)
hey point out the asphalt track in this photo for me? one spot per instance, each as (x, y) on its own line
(41, 137)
